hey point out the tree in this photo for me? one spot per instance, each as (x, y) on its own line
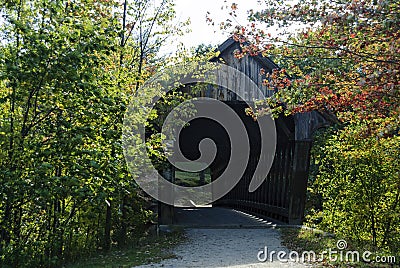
(67, 70)
(50, 108)
(344, 62)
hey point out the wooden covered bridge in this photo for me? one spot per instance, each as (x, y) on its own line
(282, 195)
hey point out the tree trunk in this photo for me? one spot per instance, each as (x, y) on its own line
(107, 227)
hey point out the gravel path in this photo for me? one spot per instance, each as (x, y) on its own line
(236, 248)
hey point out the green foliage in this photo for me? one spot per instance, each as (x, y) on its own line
(67, 69)
(359, 182)
(343, 61)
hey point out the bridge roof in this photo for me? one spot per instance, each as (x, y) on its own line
(231, 43)
(305, 123)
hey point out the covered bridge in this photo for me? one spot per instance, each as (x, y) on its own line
(282, 194)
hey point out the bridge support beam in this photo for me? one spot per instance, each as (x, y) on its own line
(165, 211)
(165, 214)
(298, 181)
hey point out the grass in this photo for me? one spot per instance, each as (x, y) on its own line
(190, 179)
(149, 250)
(301, 240)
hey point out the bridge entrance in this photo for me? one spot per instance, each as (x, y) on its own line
(280, 197)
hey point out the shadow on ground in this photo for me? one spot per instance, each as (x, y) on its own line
(217, 217)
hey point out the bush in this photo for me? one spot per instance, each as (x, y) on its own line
(357, 179)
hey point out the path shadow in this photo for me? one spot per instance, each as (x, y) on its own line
(218, 217)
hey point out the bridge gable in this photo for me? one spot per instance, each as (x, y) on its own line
(248, 65)
(305, 123)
